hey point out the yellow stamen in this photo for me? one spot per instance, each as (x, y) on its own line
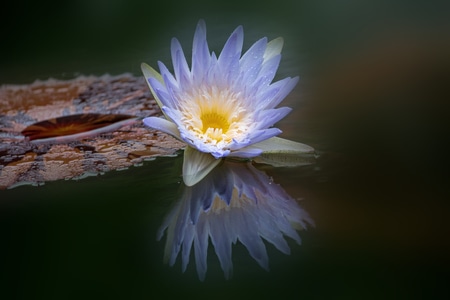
(213, 120)
(214, 116)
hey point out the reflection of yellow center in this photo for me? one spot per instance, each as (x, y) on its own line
(214, 121)
(219, 205)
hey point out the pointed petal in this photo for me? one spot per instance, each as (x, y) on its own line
(231, 53)
(196, 165)
(268, 71)
(268, 96)
(270, 116)
(163, 125)
(200, 53)
(251, 61)
(273, 94)
(155, 82)
(163, 94)
(290, 85)
(232, 46)
(149, 72)
(179, 63)
(264, 134)
(274, 48)
(181, 69)
(168, 78)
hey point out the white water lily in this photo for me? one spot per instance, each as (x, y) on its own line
(222, 106)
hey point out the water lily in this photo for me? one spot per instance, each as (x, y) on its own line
(234, 203)
(222, 106)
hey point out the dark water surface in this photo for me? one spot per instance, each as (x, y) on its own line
(371, 101)
(96, 238)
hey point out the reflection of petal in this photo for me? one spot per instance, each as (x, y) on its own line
(234, 202)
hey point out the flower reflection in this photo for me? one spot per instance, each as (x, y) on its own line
(235, 202)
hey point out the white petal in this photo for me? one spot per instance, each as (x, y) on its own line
(280, 152)
(252, 60)
(273, 48)
(163, 125)
(200, 53)
(196, 165)
(149, 72)
(180, 65)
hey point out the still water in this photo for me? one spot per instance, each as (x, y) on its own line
(379, 201)
(97, 237)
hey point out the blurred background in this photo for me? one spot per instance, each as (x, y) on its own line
(373, 100)
(375, 72)
(63, 38)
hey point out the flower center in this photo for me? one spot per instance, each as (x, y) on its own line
(214, 121)
(214, 116)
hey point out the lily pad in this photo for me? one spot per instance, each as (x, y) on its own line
(71, 129)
